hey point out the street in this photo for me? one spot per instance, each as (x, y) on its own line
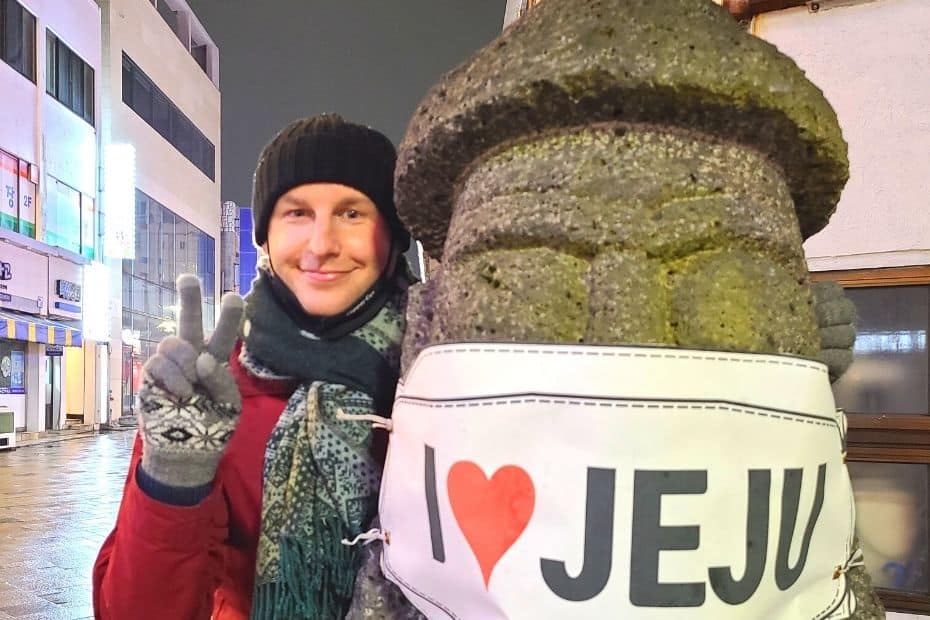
(58, 501)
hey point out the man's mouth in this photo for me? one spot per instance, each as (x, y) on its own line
(324, 275)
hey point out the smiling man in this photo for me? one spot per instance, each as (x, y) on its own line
(245, 476)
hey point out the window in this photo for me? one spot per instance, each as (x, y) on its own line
(166, 246)
(70, 221)
(17, 195)
(154, 107)
(63, 216)
(18, 38)
(886, 394)
(69, 79)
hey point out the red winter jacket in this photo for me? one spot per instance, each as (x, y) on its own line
(163, 561)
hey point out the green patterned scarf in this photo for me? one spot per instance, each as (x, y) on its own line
(321, 479)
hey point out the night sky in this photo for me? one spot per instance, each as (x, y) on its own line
(369, 60)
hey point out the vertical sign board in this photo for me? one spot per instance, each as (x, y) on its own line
(27, 199)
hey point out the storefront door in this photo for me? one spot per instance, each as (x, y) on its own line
(52, 392)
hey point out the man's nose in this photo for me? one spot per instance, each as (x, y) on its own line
(323, 239)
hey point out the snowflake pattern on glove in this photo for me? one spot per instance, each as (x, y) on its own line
(197, 423)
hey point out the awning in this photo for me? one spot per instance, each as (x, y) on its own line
(31, 328)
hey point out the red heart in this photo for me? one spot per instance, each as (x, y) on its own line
(491, 513)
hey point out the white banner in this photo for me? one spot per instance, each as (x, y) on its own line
(550, 481)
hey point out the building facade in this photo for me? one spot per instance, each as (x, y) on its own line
(109, 179)
(161, 136)
(50, 241)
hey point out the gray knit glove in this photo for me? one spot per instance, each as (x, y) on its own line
(189, 402)
(836, 318)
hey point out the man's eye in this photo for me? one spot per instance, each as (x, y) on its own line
(295, 213)
(352, 214)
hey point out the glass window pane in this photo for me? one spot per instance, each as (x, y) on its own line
(88, 228)
(152, 299)
(51, 66)
(127, 293)
(142, 101)
(88, 94)
(209, 320)
(182, 134)
(140, 264)
(138, 295)
(889, 373)
(162, 116)
(891, 521)
(154, 244)
(64, 74)
(29, 45)
(13, 36)
(63, 220)
(193, 249)
(168, 264)
(209, 159)
(206, 266)
(127, 81)
(168, 301)
(77, 85)
(165, 325)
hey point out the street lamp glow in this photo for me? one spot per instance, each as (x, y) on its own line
(97, 303)
(119, 200)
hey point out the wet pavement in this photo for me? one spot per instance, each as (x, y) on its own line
(58, 502)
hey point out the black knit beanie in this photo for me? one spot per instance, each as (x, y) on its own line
(326, 149)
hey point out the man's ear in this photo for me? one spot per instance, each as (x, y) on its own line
(264, 259)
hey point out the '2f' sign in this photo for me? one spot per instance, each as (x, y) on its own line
(492, 513)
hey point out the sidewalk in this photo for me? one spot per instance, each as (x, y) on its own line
(58, 501)
(25, 439)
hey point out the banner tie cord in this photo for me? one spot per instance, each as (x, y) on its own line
(376, 420)
(854, 560)
(369, 536)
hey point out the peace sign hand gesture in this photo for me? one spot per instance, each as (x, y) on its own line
(189, 403)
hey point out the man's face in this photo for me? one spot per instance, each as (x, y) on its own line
(329, 244)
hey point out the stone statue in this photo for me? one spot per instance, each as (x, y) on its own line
(621, 172)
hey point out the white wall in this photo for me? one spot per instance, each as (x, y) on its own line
(871, 61)
(18, 120)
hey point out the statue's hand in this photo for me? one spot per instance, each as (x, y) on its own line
(836, 319)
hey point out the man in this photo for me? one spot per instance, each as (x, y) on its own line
(244, 480)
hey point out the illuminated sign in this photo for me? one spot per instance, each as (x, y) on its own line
(119, 199)
(68, 290)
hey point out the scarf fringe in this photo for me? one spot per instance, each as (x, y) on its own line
(314, 583)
